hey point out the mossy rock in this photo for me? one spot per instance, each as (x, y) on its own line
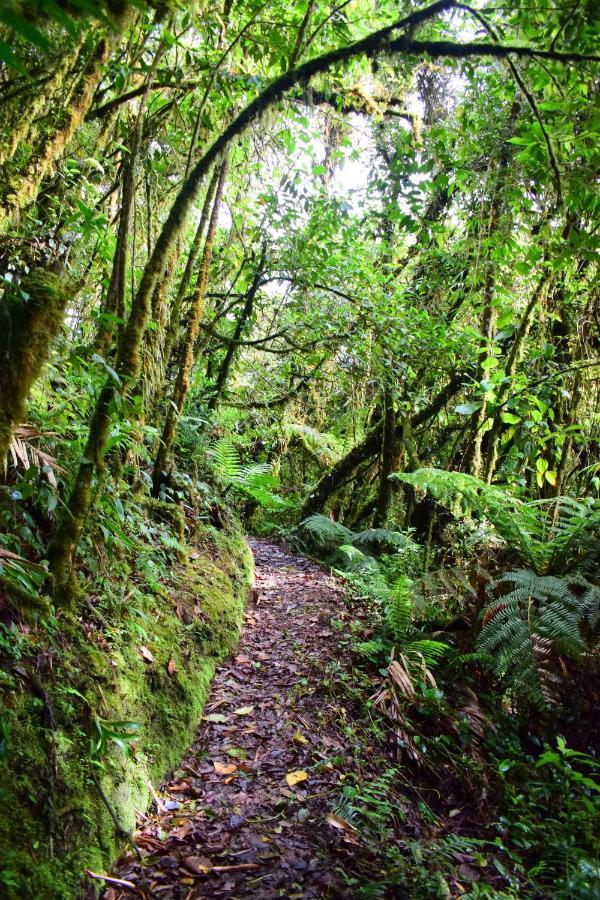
(55, 824)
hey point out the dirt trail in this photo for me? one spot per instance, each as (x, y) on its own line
(232, 822)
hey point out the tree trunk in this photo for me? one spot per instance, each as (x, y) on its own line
(388, 452)
(343, 470)
(27, 328)
(115, 301)
(182, 382)
(241, 323)
(23, 188)
(514, 358)
(175, 324)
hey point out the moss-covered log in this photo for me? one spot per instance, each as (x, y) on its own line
(31, 314)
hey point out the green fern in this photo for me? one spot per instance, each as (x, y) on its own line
(382, 541)
(399, 611)
(350, 559)
(226, 460)
(255, 480)
(325, 447)
(529, 626)
(324, 532)
(430, 652)
(399, 614)
(550, 535)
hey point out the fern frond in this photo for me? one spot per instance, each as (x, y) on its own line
(227, 462)
(351, 559)
(548, 534)
(590, 602)
(254, 480)
(325, 447)
(324, 532)
(430, 651)
(527, 626)
(382, 540)
(399, 611)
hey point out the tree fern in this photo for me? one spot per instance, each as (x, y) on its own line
(529, 626)
(549, 535)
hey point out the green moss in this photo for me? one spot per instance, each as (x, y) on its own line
(32, 315)
(61, 825)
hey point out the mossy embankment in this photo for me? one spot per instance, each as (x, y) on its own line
(151, 665)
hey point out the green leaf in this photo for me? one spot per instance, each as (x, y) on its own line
(467, 409)
(8, 57)
(25, 28)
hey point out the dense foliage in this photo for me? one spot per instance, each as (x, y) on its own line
(335, 268)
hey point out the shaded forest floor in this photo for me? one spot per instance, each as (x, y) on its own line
(249, 813)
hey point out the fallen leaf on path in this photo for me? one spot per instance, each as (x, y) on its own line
(198, 864)
(293, 778)
(224, 768)
(171, 667)
(215, 717)
(350, 834)
(146, 654)
(299, 738)
(237, 753)
(244, 711)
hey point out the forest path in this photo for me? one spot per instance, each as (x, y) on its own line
(233, 823)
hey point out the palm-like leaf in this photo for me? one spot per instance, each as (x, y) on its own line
(549, 535)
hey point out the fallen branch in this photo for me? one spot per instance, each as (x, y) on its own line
(118, 882)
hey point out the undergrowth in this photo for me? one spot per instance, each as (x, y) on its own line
(492, 788)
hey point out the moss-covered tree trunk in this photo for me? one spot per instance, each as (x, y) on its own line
(242, 321)
(115, 299)
(31, 315)
(388, 452)
(344, 469)
(174, 328)
(34, 99)
(513, 359)
(24, 186)
(182, 382)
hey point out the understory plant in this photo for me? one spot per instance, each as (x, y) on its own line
(253, 481)
(539, 616)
